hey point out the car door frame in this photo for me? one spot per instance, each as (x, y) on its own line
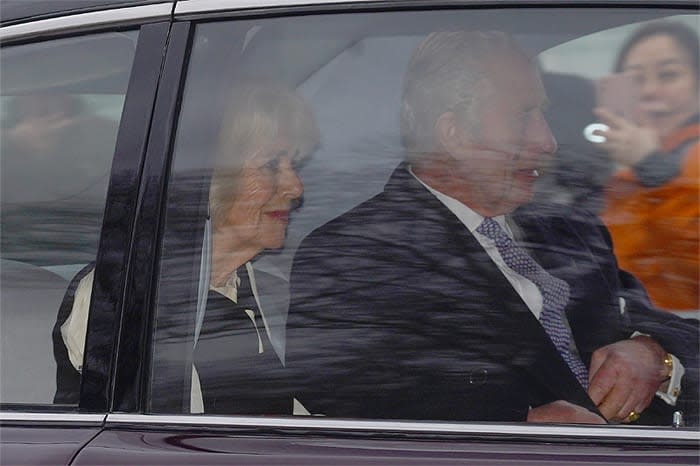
(35, 430)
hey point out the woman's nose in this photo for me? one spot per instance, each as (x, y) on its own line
(290, 183)
(648, 87)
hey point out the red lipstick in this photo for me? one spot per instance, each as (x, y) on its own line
(280, 215)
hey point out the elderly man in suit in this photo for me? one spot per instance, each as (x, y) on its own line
(450, 296)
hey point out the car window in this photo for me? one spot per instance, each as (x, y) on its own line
(61, 104)
(358, 226)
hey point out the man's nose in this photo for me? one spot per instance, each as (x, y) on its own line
(290, 183)
(541, 139)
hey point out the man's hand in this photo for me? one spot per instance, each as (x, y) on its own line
(563, 412)
(625, 375)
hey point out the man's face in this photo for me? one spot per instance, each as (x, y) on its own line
(507, 143)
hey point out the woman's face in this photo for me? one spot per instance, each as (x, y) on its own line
(267, 187)
(668, 83)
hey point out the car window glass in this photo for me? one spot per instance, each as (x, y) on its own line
(61, 103)
(326, 246)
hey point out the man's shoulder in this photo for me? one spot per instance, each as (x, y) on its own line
(373, 214)
(382, 214)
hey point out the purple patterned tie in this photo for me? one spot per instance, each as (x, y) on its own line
(555, 293)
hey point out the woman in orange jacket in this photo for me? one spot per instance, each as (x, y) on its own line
(653, 201)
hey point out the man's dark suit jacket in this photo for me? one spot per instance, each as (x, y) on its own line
(398, 312)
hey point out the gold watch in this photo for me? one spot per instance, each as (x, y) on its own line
(668, 364)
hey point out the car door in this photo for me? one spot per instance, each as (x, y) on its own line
(347, 62)
(77, 91)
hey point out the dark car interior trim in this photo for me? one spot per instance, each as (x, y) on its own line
(87, 21)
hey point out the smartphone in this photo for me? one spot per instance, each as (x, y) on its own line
(620, 94)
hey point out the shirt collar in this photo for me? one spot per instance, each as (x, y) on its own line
(467, 216)
(230, 288)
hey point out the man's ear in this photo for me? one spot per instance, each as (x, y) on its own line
(448, 134)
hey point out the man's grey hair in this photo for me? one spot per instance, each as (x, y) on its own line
(447, 72)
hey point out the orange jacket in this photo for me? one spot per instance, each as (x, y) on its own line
(656, 231)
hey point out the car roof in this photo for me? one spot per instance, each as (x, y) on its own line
(14, 11)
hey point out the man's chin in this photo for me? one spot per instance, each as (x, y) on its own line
(521, 197)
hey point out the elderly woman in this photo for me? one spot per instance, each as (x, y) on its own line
(653, 211)
(266, 131)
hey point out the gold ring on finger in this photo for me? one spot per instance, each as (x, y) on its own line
(632, 416)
